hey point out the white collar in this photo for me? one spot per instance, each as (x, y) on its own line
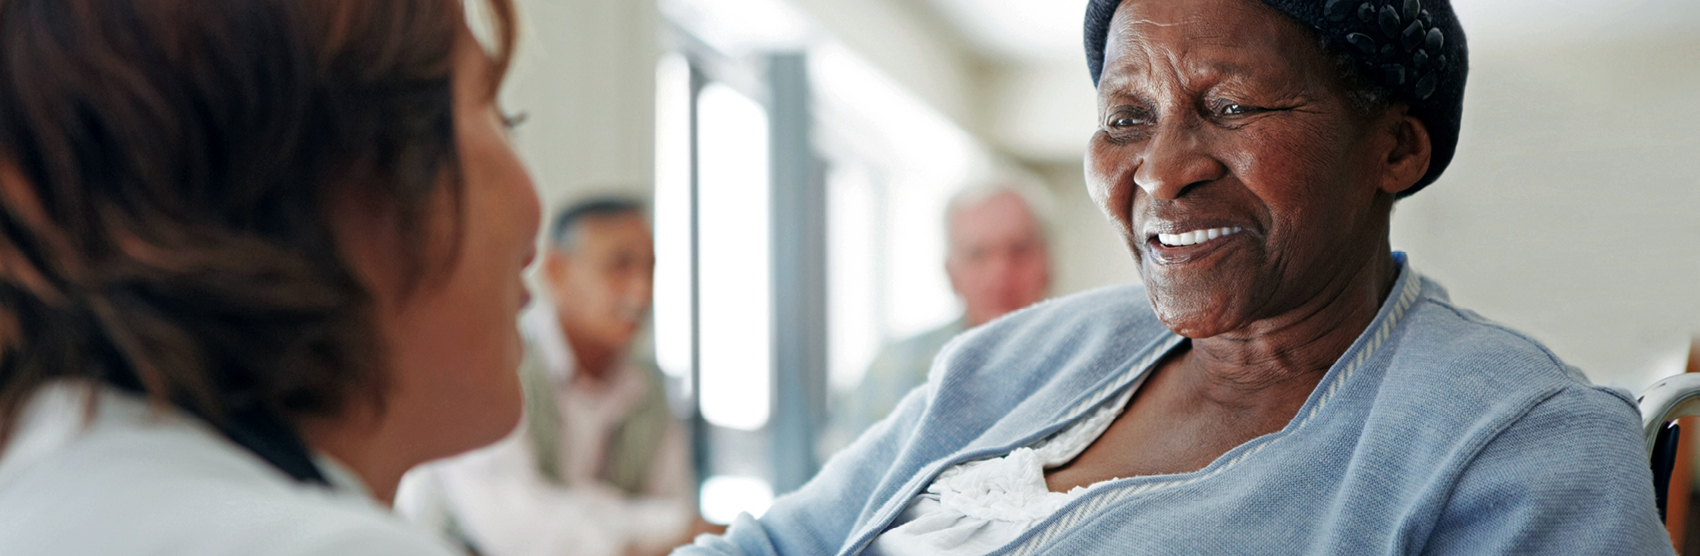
(340, 477)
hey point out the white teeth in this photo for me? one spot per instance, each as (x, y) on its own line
(1196, 237)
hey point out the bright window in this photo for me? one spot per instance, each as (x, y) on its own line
(734, 261)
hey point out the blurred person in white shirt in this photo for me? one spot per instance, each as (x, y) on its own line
(599, 465)
(998, 260)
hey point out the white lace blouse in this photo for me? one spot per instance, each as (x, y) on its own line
(977, 507)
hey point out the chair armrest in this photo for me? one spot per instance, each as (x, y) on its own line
(1666, 401)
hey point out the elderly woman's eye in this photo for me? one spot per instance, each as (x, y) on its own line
(1226, 108)
(1124, 120)
(1229, 108)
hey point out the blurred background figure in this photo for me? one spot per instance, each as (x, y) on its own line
(598, 465)
(998, 260)
(998, 256)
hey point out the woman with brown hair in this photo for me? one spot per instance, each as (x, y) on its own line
(257, 259)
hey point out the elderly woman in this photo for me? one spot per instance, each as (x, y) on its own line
(1284, 383)
(257, 259)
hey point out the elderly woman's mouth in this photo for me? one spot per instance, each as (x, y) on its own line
(1197, 236)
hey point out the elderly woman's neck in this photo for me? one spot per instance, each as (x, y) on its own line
(1297, 347)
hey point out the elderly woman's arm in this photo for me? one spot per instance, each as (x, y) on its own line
(1567, 478)
(817, 518)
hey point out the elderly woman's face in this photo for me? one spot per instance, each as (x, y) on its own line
(1231, 160)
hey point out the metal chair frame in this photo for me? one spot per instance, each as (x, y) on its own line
(1661, 405)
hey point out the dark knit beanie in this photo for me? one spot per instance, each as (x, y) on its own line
(1414, 48)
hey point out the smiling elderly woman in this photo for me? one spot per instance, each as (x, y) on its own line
(1285, 383)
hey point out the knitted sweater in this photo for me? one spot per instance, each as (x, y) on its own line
(1437, 432)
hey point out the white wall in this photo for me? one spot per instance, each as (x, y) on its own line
(909, 44)
(1043, 111)
(1573, 209)
(585, 76)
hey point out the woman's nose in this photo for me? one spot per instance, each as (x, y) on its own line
(1176, 159)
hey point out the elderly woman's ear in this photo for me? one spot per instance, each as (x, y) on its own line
(1408, 151)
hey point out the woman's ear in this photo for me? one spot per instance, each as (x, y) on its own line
(1408, 160)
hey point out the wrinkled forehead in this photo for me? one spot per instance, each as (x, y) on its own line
(1197, 38)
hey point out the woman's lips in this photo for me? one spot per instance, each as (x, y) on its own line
(1188, 246)
(525, 293)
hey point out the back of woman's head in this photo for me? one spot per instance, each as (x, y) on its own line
(165, 171)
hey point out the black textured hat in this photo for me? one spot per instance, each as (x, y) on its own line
(1415, 48)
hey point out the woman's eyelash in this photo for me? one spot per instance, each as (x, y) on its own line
(511, 121)
(1230, 108)
(1124, 119)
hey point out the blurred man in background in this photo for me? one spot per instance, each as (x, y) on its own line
(599, 465)
(998, 260)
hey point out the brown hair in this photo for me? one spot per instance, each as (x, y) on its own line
(165, 167)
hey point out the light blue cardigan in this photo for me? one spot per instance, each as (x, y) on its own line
(1438, 432)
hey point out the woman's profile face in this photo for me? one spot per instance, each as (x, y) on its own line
(452, 343)
(1231, 161)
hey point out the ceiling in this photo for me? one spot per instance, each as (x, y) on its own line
(1050, 30)
(1023, 30)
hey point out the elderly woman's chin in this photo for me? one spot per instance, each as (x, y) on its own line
(1199, 307)
(1209, 295)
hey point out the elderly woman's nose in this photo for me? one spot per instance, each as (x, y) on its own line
(1175, 160)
